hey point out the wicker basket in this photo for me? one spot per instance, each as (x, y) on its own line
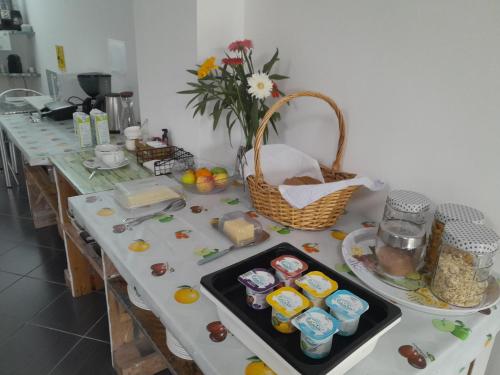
(267, 199)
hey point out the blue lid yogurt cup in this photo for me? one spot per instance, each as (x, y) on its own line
(347, 308)
(317, 328)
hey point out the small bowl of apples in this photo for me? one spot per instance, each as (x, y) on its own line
(204, 178)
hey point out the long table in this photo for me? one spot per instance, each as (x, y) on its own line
(179, 240)
(52, 162)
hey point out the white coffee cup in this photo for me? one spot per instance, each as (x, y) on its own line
(101, 150)
(114, 158)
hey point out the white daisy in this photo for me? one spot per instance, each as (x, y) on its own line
(260, 86)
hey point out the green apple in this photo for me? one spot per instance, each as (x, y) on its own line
(443, 325)
(461, 331)
(217, 170)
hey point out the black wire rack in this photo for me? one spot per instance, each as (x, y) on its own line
(179, 160)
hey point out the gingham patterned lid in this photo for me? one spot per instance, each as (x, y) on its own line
(408, 201)
(477, 239)
(447, 212)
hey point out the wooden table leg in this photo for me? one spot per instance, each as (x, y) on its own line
(82, 276)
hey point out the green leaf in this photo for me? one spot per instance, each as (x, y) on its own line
(189, 91)
(269, 65)
(192, 100)
(203, 105)
(277, 77)
(216, 114)
(195, 72)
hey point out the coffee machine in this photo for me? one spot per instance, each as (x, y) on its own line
(96, 86)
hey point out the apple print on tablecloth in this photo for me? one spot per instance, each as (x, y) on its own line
(166, 218)
(197, 209)
(186, 294)
(231, 201)
(279, 229)
(415, 356)
(489, 340)
(257, 367)
(159, 269)
(457, 328)
(252, 214)
(338, 234)
(218, 331)
(182, 234)
(139, 245)
(205, 252)
(343, 267)
(119, 228)
(91, 199)
(106, 211)
(369, 224)
(311, 247)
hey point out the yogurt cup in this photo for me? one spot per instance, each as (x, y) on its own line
(316, 286)
(258, 283)
(317, 328)
(347, 308)
(288, 269)
(287, 303)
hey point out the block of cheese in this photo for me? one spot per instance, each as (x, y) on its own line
(139, 193)
(240, 231)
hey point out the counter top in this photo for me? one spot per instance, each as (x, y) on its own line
(70, 165)
(182, 238)
(38, 141)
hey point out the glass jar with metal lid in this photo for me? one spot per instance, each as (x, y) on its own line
(464, 263)
(400, 247)
(446, 213)
(407, 205)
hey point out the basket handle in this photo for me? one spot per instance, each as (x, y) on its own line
(280, 103)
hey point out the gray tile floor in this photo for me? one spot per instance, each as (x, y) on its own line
(43, 330)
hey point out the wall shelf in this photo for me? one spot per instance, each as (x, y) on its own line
(20, 75)
(19, 32)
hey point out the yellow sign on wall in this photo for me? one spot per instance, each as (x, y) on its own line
(61, 61)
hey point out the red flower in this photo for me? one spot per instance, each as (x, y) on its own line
(240, 45)
(275, 92)
(232, 61)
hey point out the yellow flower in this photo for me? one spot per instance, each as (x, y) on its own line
(207, 66)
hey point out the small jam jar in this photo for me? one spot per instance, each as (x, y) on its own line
(258, 283)
(447, 213)
(317, 328)
(408, 206)
(316, 286)
(288, 269)
(347, 308)
(464, 263)
(287, 303)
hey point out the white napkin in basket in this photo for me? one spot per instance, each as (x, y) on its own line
(299, 196)
(279, 162)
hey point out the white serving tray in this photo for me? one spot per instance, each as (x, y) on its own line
(272, 359)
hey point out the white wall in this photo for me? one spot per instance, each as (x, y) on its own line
(166, 47)
(83, 28)
(419, 82)
(172, 37)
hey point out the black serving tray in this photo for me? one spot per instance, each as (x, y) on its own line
(223, 284)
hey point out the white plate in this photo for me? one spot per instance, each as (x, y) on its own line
(98, 164)
(135, 298)
(420, 299)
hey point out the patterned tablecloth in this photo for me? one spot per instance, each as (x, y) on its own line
(38, 141)
(420, 344)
